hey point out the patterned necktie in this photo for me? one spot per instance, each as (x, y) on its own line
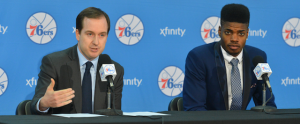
(236, 89)
(87, 89)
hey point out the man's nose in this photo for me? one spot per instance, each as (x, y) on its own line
(96, 40)
(234, 38)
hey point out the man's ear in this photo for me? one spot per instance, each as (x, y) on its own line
(77, 33)
(219, 31)
(247, 34)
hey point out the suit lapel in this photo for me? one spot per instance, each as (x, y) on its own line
(221, 70)
(247, 78)
(75, 79)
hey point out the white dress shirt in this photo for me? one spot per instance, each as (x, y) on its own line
(227, 59)
(93, 71)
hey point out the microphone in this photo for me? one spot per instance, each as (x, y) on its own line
(107, 70)
(108, 73)
(262, 70)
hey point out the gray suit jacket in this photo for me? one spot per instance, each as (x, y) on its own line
(63, 67)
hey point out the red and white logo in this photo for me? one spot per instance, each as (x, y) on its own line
(41, 28)
(170, 81)
(129, 29)
(291, 32)
(3, 81)
(209, 30)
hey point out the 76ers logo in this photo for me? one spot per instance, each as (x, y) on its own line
(129, 29)
(291, 32)
(209, 29)
(170, 81)
(3, 81)
(257, 71)
(109, 69)
(41, 28)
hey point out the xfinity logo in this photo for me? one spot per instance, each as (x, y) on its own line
(136, 82)
(167, 31)
(258, 33)
(31, 82)
(3, 29)
(288, 81)
(74, 29)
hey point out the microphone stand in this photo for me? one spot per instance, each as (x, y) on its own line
(109, 111)
(108, 98)
(263, 107)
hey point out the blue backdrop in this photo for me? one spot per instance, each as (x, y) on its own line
(149, 38)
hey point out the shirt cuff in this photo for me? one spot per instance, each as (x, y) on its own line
(37, 107)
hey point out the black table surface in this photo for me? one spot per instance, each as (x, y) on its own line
(282, 116)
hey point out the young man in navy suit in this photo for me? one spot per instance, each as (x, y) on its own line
(219, 75)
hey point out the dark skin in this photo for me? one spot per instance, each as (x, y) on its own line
(233, 37)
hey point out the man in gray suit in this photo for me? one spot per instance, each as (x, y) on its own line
(60, 87)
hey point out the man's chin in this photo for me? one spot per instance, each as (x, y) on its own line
(95, 56)
(92, 56)
(234, 53)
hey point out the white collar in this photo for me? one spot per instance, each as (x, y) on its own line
(229, 57)
(83, 60)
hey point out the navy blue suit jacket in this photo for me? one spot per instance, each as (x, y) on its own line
(205, 83)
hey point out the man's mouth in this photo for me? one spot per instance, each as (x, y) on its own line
(233, 47)
(94, 49)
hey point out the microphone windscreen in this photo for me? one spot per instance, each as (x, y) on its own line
(104, 59)
(257, 59)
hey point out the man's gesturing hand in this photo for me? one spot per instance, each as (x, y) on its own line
(56, 99)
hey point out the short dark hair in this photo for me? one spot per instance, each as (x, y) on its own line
(91, 12)
(235, 13)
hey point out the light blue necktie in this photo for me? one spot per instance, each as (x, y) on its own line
(236, 89)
